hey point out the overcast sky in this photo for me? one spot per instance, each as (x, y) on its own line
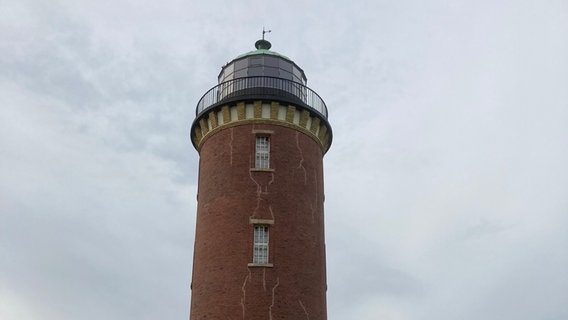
(446, 184)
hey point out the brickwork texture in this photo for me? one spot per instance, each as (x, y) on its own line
(290, 196)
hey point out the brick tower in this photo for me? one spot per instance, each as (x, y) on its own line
(261, 134)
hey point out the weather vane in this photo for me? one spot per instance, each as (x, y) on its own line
(265, 31)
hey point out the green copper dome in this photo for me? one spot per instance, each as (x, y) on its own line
(262, 47)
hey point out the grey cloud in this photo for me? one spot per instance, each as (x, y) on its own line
(445, 185)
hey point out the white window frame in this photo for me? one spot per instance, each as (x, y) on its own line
(262, 152)
(261, 241)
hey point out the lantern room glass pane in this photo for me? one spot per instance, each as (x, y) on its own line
(255, 71)
(241, 64)
(229, 68)
(240, 73)
(271, 72)
(271, 61)
(255, 61)
(285, 65)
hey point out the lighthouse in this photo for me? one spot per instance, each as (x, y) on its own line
(261, 134)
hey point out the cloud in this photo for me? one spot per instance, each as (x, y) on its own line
(445, 183)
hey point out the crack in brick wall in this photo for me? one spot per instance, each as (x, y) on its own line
(243, 289)
(272, 305)
(301, 165)
(304, 308)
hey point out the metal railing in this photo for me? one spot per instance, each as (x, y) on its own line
(272, 87)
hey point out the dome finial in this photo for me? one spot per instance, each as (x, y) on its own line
(265, 31)
(263, 44)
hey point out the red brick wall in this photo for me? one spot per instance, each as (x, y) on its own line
(230, 194)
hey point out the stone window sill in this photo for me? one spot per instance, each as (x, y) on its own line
(259, 169)
(261, 221)
(260, 265)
